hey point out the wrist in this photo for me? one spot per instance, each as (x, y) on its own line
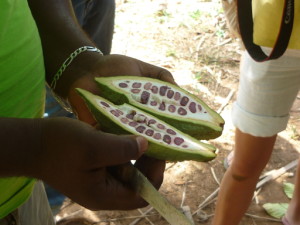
(78, 64)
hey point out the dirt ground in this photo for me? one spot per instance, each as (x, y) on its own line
(191, 39)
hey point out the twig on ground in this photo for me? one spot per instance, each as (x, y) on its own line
(169, 167)
(201, 41)
(207, 200)
(271, 176)
(183, 195)
(262, 218)
(123, 218)
(225, 41)
(276, 173)
(255, 196)
(228, 98)
(199, 45)
(214, 175)
(144, 214)
(146, 217)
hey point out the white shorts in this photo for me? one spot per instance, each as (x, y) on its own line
(266, 94)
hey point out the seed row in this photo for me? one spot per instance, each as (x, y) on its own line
(184, 105)
(147, 126)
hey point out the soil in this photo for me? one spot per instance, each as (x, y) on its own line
(192, 40)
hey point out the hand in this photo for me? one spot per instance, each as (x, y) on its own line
(111, 65)
(75, 159)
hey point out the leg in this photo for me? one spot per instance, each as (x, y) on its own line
(266, 94)
(293, 215)
(240, 179)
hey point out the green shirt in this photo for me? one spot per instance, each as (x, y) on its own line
(22, 85)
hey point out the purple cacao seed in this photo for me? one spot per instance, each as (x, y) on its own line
(151, 121)
(145, 97)
(124, 120)
(178, 140)
(136, 85)
(170, 94)
(147, 86)
(200, 108)
(140, 129)
(123, 85)
(162, 106)
(154, 89)
(170, 131)
(130, 116)
(135, 91)
(104, 104)
(160, 126)
(153, 103)
(192, 107)
(181, 111)
(177, 96)
(119, 111)
(167, 139)
(115, 113)
(149, 132)
(171, 108)
(163, 90)
(184, 101)
(133, 123)
(157, 136)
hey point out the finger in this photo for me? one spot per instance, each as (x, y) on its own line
(165, 75)
(115, 195)
(157, 73)
(152, 168)
(119, 149)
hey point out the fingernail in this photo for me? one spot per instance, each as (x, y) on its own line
(142, 144)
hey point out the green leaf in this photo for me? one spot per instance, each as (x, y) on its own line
(288, 189)
(276, 210)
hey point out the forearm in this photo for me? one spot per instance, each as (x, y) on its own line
(20, 142)
(61, 35)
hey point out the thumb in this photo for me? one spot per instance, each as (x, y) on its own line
(157, 73)
(120, 149)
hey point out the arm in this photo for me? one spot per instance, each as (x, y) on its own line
(19, 142)
(61, 39)
(61, 35)
(72, 157)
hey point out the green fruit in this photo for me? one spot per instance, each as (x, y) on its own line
(164, 141)
(165, 101)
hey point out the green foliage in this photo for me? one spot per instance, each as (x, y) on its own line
(171, 53)
(278, 210)
(288, 189)
(196, 14)
(294, 134)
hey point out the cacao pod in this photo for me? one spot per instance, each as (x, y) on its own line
(165, 101)
(164, 141)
